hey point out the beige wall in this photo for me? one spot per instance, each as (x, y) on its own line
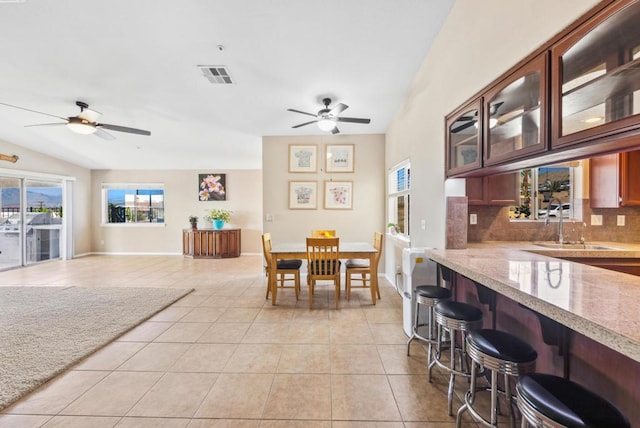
(358, 224)
(31, 161)
(244, 189)
(478, 42)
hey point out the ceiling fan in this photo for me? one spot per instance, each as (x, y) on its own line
(85, 122)
(327, 118)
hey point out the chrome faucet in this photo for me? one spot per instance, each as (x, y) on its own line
(546, 221)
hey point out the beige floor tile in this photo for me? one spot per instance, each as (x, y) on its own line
(171, 314)
(302, 313)
(237, 396)
(115, 395)
(205, 314)
(110, 357)
(362, 398)
(295, 424)
(388, 334)
(137, 422)
(224, 333)
(383, 315)
(175, 395)
(266, 333)
(156, 357)
(81, 422)
(395, 360)
(254, 358)
(204, 358)
(191, 300)
(57, 394)
(22, 421)
(305, 359)
(145, 332)
(368, 424)
(305, 332)
(249, 302)
(223, 423)
(218, 301)
(355, 359)
(351, 334)
(347, 315)
(239, 315)
(299, 396)
(184, 332)
(274, 314)
(420, 400)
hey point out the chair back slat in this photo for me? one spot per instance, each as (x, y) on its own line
(266, 248)
(322, 257)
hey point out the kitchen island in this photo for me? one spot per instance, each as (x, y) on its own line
(583, 320)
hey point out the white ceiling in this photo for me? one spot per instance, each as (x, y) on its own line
(135, 61)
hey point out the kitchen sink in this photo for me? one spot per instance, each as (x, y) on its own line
(572, 246)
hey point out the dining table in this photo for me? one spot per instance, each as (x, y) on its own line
(346, 250)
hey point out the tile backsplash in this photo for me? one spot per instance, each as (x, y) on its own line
(494, 225)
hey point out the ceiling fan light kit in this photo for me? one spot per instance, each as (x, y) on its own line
(80, 126)
(327, 118)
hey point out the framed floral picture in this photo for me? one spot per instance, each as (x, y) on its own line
(212, 187)
(303, 158)
(303, 195)
(340, 158)
(338, 195)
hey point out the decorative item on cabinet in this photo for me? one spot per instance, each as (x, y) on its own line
(613, 183)
(499, 190)
(218, 217)
(211, 243)
(194, 221)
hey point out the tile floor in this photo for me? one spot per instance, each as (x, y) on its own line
(223, 356)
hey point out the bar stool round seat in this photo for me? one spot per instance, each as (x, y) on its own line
(429, 296)
(500, 353)
(454, 317)
(550, 401)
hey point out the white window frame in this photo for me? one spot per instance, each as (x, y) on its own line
(130, 186)
(396, 191)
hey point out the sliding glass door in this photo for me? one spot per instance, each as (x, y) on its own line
(31, 221)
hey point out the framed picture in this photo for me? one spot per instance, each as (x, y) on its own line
(340, 158)
(303, 158)
(338, 195)
(303, 195)
(212, 187)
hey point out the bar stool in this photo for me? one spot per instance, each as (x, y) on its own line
(429, 296)
(551, 401)
(500, 353)
(454, 317)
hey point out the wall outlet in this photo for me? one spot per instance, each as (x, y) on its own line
(596, 219)
(473, 218)
(620, 220)
(268, 217)
(423, 224)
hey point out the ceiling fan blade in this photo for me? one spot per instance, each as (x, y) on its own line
(463, 126)
(339, 108)
(352, 120)
(34, 111)
(45, 124)
(123, 129)
(335, 130)
(103, 134)
(301, 112)
(303, 124)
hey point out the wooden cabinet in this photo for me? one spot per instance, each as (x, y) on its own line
(211, 243)
(463, 139)
(515, 114)
(612, 182)
(596, 77)
(501, 190)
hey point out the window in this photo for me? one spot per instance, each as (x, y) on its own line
(545, 192)
(399, 197)
(133, 203)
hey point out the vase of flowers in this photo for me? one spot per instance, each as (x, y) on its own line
(219, 217)
(194, 222)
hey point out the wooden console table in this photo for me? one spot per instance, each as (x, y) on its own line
(211, 243)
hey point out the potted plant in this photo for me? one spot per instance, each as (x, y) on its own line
(394, 228)
(194, 221)
(219, 216)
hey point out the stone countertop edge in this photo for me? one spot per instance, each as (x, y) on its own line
(481, 262)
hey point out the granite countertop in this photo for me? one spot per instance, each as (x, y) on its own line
(598, 303)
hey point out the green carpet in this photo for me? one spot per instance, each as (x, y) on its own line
(45, 330)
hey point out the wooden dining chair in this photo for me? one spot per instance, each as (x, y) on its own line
(323, 233)
(359, 270)
(323, 264)
(285, 270)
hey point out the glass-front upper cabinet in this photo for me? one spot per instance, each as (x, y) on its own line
(516, 114)
(463, 138)
(596, 77)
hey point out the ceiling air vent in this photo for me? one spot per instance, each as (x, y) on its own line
(216, 74)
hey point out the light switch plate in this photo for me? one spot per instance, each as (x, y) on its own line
(620, 220)
(596, 219)
(473, 218)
